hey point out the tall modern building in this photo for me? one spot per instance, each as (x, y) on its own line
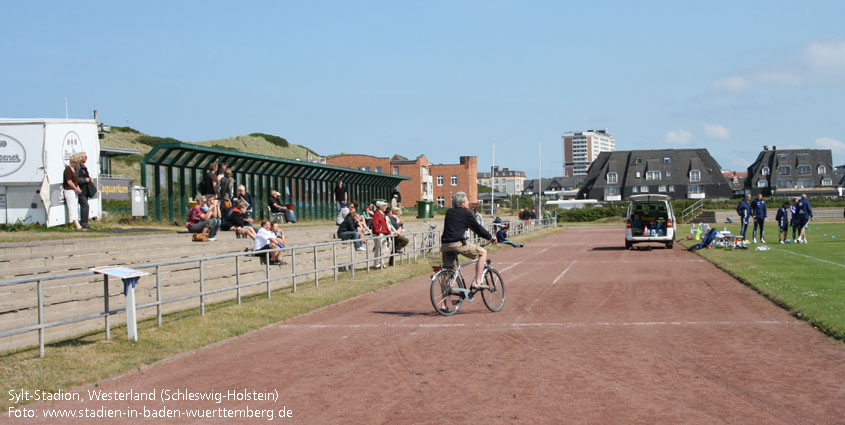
(581, 148)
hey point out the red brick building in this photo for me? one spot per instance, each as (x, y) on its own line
(433, 182)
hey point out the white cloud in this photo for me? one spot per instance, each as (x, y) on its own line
(679, 137)
(716, 131)
(785, 78)
(734, 84)
(836, 146)
(826, 56)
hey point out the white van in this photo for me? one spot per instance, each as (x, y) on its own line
(650, 218)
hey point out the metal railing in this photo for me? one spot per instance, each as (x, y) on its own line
(692, 210)
(311, 251)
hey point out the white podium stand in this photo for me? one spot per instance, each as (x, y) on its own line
(129, 277)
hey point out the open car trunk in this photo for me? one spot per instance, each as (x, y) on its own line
(649, 219)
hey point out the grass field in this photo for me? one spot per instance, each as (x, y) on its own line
(89, 358)
(806, 279)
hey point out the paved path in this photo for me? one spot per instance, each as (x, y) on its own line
(591, 333)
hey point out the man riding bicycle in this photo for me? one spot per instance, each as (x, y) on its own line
(458, 219)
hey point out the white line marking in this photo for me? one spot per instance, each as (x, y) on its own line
(554, 282)
(810, 257)
(542, 324)
(510, 266)
(542, 250)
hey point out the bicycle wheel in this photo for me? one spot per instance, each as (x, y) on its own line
(445, 300)
(494, 295)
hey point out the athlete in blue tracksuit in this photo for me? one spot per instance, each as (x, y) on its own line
(744, 211)
(804, 212)
(758, 211)
(782, 218)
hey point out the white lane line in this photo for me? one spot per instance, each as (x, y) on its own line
(554, 282)
(543, 324)
(809, 256)
(510, 266)
(542, 250)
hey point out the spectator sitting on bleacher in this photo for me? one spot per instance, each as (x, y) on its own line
(348, 229)
(246, 197)
(275, 203)
(238, 221)
(279, 234)
(342, 212)
(204, 217)
(362, 227)
(266, 239)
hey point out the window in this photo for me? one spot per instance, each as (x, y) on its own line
(784, 184)
(762, 183)
(765, 171)
(671, 188)
(668, 173)
(652, 175)
(455, 180)
(644, 189)
(804, 169)
(827, 181)
(638, 161)
(365, 168)
(635, 189)
(395, 171)
(440, 180)
(667, 160)
(784, 170)
(612, 177)
(822, 169)
(802, 183)
(661, 188)
(441, 201)
(611, 191)
(694, 176)
(638, 174)
(782, 157)
(803, 157)
(694, 189)
(378, 169)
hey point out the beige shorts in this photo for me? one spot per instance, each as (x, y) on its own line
(470, 250)
(72, 204)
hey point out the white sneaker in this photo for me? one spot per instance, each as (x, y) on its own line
(762, 240)
(753, 240)
(360, 248)
(781, 242)
(212, 239)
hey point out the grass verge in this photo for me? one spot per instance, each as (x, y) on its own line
(807, 280)
(89, 358)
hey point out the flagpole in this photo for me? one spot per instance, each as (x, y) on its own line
(493, 180)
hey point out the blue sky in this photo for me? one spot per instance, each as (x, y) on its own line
(439, 78)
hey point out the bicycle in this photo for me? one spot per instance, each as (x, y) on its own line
(428, 240)
(448, 288)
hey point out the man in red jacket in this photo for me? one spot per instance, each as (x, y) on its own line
(380, 230)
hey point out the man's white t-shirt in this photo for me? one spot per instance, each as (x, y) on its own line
(262, 238)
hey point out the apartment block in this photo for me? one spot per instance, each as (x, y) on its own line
(504, 180)
(581, 148)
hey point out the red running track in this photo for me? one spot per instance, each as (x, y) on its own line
(591, 333)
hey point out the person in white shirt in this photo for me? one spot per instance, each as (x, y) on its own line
(342, 213)
(266, 239)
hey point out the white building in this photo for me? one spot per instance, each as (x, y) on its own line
(581, 148)
(505, 180)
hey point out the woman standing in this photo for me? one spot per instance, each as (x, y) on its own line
(71, 190)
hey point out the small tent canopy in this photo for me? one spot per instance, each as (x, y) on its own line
(177, 168)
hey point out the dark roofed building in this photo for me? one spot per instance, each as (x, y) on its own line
(679, 173)
(792, 172)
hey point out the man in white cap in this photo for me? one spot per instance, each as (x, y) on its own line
(380, 230)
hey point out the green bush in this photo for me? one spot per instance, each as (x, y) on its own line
(588, 214)
(153, 140)
(276, 140)
(129, 159)
(124, 129)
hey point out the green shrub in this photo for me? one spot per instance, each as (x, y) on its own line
(124, 129)
(588, 214)
(276, 140)
(129, 159)
(153, 140)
